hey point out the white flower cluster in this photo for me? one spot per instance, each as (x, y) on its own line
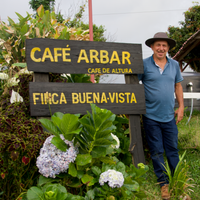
(118, 142)
(114, 178)
(4, 76)
(15, 97)
(52, 160)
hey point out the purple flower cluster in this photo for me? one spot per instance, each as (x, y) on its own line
(52, 160)
(114, 178)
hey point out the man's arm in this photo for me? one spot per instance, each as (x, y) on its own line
(179, 96)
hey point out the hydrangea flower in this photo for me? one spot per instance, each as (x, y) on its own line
(114, 178)
(117, 140)
(4, 76)
(52, 160)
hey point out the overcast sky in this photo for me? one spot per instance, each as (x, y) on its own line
(126, 21)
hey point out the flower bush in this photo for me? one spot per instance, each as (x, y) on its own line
(114, 178)
(52, 160)
(93, 170)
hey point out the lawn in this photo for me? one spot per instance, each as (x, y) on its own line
(189, 141)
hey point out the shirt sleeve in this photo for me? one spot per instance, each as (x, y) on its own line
(179, 77)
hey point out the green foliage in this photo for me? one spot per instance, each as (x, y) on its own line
(179, 181)
(98, 32)
(92, 133)
(45, 25)
(20, 141)
(48, 4)
(187, 28)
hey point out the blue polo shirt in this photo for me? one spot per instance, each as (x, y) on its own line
(159, 88)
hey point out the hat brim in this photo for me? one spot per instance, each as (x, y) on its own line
(171, 42)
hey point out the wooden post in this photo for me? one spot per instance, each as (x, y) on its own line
(41, 77)
(136, 144)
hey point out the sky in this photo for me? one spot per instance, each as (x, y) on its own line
(125, 21)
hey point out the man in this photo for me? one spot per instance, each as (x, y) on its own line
(161, 79)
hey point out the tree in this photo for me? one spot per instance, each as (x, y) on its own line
(188, 27)
(47, 4)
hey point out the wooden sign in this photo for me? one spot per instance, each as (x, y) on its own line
(76, 98)
(83, 57)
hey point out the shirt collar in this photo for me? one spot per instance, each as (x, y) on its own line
(154, 61)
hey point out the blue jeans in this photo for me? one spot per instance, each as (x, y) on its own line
(162, 136)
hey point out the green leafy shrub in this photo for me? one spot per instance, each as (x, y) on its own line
(97, 154)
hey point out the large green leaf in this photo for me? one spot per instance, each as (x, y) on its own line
(102, 142)
(59, 143)
(107, 160)
(98, 152)
(43, 180)
(131, 184)
(83, 159)
(96, 170)
(70, 124)
(35, 193)
(72, 170)
(86, 178)
(50, 126)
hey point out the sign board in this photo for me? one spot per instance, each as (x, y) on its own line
(83, 57)
(76, 98)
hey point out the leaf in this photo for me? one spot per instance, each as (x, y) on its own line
(59, 143)
(131, 184)
(107, 160)
(40, 11)
(121, 167)
(102, 142)
(43, 180)
(96, 170)
(98, 152)
(23, 65)
(72, 170)
(83, 159)
(49, 125)
(76, 183)
(35, 193)
(70, 124)
(86, 178)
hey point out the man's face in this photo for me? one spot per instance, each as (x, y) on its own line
(160, 49)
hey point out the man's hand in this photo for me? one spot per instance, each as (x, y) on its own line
(179, 113)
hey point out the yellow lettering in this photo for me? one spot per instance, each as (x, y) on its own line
(53, 100)
(88, 97)
(133, 98)
(116, 97)
(112, 98)
(80, 97)
(96, 98)
(83, 56)
(33, 54)
(89, 70)
(47, 54)
(42, 98)
(35, 97)
(66, 54)
(103, 98)
(121, 97)
(104, 56)
(130, 71)
(62, 98)
(56, 54)
(75, 98)
(125, 56)
(113, 70)
(127, 96)
(93, 55)
(115, 57)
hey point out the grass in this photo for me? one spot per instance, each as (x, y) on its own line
(189, 140)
